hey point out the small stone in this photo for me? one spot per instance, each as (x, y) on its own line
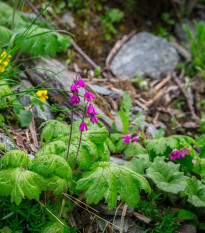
(7, 142)
(107, 91)
(68, 18)
(31, 156)
(147, 55)
(185, 228)
(117, 160)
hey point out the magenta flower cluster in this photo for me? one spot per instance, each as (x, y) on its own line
(127, 138)
(177, 154)
(75, 99)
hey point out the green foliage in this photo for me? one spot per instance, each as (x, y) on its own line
(24, 116)
(3, 147)
(197, 47)
(139, 164)
(43, 42)
(166, 176)
(164, 147)
(55, 226)
(185, 215)
(107, 180)
(4, 89)
(196, 192)
(27, 217)
(53, 129)
(16, 158)
(107, 20)
(37, 41)
(6, 35)
(56, 171)
(19, 183)
(93, 147)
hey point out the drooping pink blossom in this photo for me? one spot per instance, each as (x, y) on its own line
(184, 151)
(83, 126)
(175, 154)
(80, 83)
(91, 110)
(88, 96)
(75, 99)
(135, 139)
(94, 119)
(74, 89)
(133, 123)
(126, 138)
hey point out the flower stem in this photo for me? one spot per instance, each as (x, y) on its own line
(81, 132)
(71, 129)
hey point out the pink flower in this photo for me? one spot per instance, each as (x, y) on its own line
(83, 126)
(80, 83)
(127, 138)
(135, 139)
(88, 96)
(184, 151)
(75, 99)
(175, 154)
(91, 110)
(133, 123)
(94, 119)
(74, 89)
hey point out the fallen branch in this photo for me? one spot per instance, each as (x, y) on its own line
(191, 108)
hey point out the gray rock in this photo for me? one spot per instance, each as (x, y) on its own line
(186, 229)
(117, 160)
(7, 142)
(31, 156)
(103, 209)
(146, 54)
(107, 91)
(39, 115)
(68, 18)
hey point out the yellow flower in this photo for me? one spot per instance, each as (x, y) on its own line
(42, 94)
(4, 55)
(3, 63)
(2, 69)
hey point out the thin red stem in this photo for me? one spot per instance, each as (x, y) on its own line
(71, 129)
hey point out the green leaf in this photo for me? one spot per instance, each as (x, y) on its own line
(53, 129)
(115, 15)
(24, 116)
(185, 215)
(139, 164)
(55, 169)
(43, 42)
(6, 35)
(6, 14)
(20, 183)
(108, 179)
(196, 192)
(97, 135)
(4, 89)
(134, 148)
(125, 121)
(166, 176)
(160, 133)
(126, 103)
(56, 227)
(16, 158)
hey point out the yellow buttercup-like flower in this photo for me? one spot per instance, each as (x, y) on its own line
(42, 94)
(4, 55)
(4, 61)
